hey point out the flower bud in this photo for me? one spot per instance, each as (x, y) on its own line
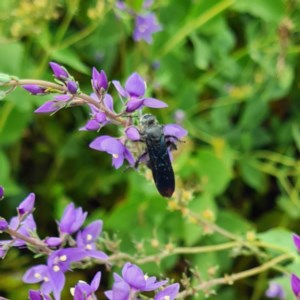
(26, 206)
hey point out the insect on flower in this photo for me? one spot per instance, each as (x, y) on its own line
(158, 144)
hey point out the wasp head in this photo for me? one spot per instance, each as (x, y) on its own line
(148, 120)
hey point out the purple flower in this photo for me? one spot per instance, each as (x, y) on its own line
(87, 238)
(84, 291)
(170, 292)
(59, 71)
(98, 117)
(27, 205)
(27, 227)
(3, 224)
(275, 290)
(72, 87)
(61, 259)
(72, 219)
(132, 281)
(52, 275)
(295, 284)
(145, 26)
(114, 147)
(58, 103)
(1, 192)
(38, 295)
(99, 81)
(135, 88)
(43, 274)
(34, 89)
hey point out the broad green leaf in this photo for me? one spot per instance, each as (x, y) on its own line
(279, 239)
(193, 232)
(253, 176)
(273, 10)
(12, 123)
(70, 58)
(213, 172)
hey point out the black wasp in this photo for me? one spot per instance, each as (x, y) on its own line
(157, 154)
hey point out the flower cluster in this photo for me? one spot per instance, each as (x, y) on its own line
(72, 245)
(64, 98)
(145, 22)
(102, 112)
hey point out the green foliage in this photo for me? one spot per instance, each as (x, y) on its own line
(231, 66)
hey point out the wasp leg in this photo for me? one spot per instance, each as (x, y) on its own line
(141, 158)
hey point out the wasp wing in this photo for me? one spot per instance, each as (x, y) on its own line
(160, 164)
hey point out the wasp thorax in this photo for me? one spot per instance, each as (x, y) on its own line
(148, 120)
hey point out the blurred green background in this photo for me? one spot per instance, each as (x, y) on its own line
(231, 66)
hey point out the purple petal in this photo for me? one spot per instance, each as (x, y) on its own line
(97, 254)
(120, 89)
(58, 281)
(96, 281)
(108, 102)
(26, 206)
(100, 117)
(134, 104)
(72, 87)
(34, 89)
(117, 160)
(174, 130)
(132, 133)
(92, 231)
(63, 98)
(107, 144)
(72, 219)
(35, 274)
(121, 291)
(48, 107)
(59, 71)
(134, 276)
(99, 80)
(135, 85)
(152, 284)
(296, 239)
(169, 292)
(91, 125)
(53, 241)
(295, 284)
(154, 103)
(129, 157)
(3, 224)
(109, 295)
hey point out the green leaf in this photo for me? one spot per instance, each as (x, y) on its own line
(279, 239)
(252, 176)
(4, 78)
(70, 58)
(269, 10)
(12, 123)
(11, 55)
(288, 206)
(193, 232)
(233, 222)
(214, 173)
(202, 52)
